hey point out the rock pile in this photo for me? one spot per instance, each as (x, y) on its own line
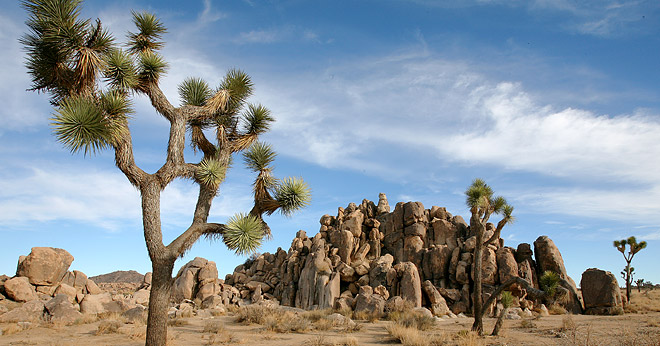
(368, 257)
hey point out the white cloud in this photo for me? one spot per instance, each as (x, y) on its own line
(394, 116)
(101, 198)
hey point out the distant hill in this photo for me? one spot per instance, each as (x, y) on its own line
(119, 276)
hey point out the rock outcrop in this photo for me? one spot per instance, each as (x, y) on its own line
(367, 247)
(601, 294)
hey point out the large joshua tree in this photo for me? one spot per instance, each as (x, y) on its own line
(91, 81)
(634, 247)
(482, 204)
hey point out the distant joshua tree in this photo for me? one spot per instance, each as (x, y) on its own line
(91, 82)
(639, 283)
(482, 204)
(634, 248)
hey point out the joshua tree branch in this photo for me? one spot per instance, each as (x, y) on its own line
(125, 160)
(159, 101)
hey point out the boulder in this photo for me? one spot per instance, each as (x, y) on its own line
(369, 302)
(31, 311)
(99, 303)
(136, 314)
(66, 290)
(383, 205)
(353, 223)
(600, 292)
(413, 212)
(208, 273)
(60, 309)
(20, 290)
(444, 233)
(184, 285)
(141, 297)
(80, 279)
(92, 287)
(549, 258)
(45, 265)
(506, 263)
(409, 284)
(438, 304)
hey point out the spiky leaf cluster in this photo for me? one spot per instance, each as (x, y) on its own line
(257, 119)
(479, 196)
(632, 243)
(65, 53)
(211, 172)
(81, 125)
(259, 156)
(152, 66)
(244, 234)
(292, 194)
(150, 30)
(548, 282)
(506, 298)
(115, 104)
(194, 91)
(120, 71)
(239, 87)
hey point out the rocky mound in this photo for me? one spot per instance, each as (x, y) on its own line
(130, 276)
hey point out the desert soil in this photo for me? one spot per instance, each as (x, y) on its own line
(638, 328)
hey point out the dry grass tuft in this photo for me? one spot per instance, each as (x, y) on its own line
(177, 322)
(469, 338)
(410, 318)
(137, 333)
(347, 341)
(222, 337)
(323, 324)
(11, 329)
(86, 319)
(408, 336)
(527, 323)
(315, 315)
(108, 327)
(214, 327)
(556, 309)
(368, 316)
(255, 314)
(319, 340)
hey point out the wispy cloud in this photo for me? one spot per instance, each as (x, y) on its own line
(280, 34)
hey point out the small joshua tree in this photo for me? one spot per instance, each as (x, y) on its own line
(482, 204)
(91, 82)
(639, 283)
(506, 298)
(633, 248)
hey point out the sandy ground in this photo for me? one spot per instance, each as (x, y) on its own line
(640, 328)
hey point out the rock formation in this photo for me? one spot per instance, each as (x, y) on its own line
(411, 254)
(601, 293)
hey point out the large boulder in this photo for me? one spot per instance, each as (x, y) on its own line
(99, 303)
(438, 304)
(600, 292)
(45, 265)
(548, 258)
(61, 309)
(318, 285)
(31, 311)
(20, 290)
(409, 284)
(506, 263)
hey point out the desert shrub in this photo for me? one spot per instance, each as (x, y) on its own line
(223, 337)
(214, 327)
(11, 329)
(548, 282)
(350, 326)
(323, 324)
(346, 312)
(315, 315)
(412, 319)
(256, 314)
(86, 319)
(137, 333)
(319, 340)
(286, 322)
(568, 324)
(108, 327)
(347, 341)
(556, 309)
(177, 322)
(527, 323)
(468, 338)
(408, 336)
(364, 315)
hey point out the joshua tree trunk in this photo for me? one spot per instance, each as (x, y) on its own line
(498, 324)
(477, 305)
(161, 288)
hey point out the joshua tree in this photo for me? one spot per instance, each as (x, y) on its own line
(506, 298)
(634, 248)
(91, 82)
(639, 283)
(482, 205)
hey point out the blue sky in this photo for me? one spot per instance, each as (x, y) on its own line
(554, 103)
